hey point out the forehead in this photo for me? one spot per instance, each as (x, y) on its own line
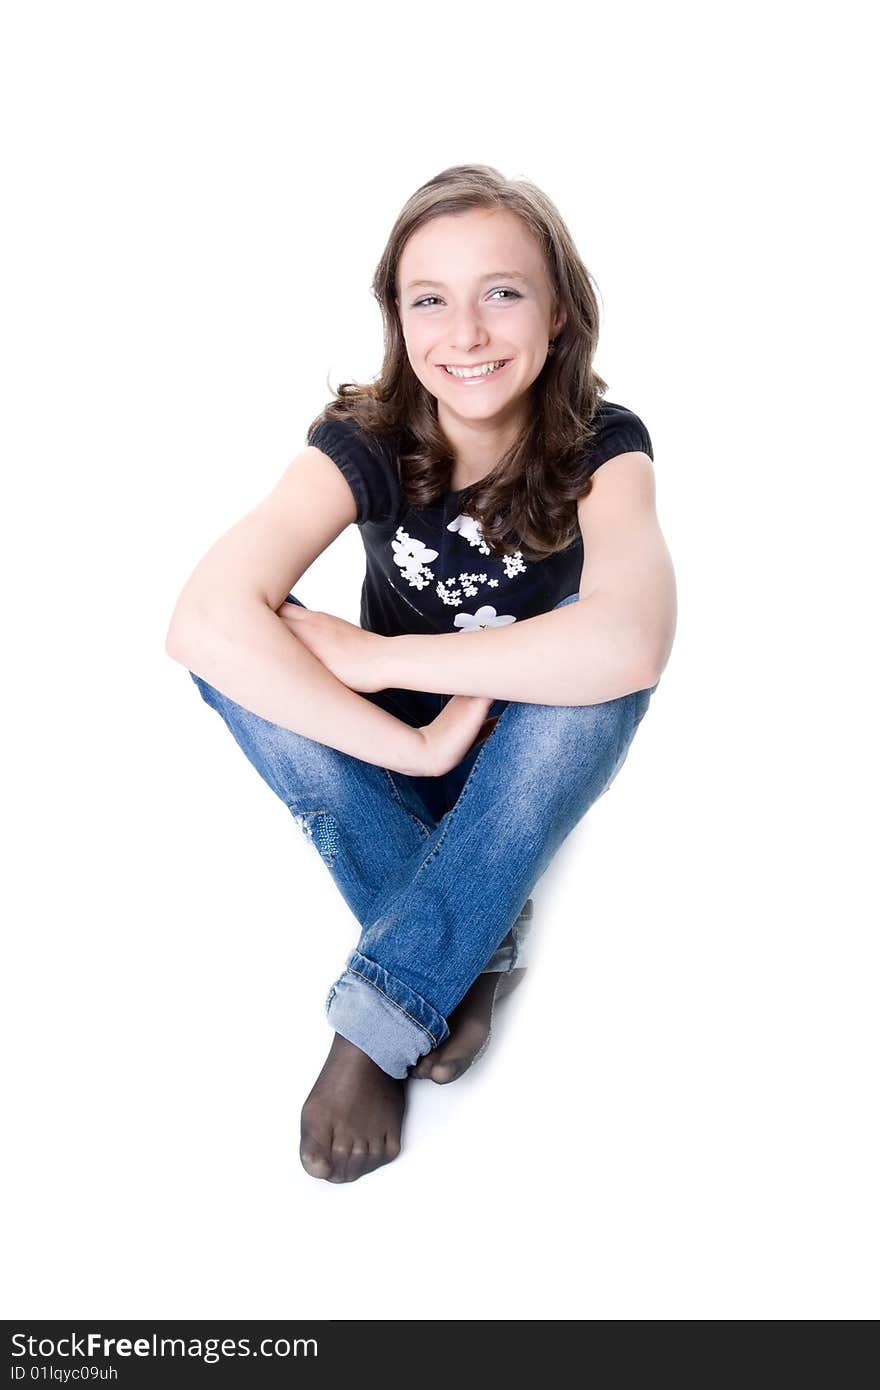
(465, 246)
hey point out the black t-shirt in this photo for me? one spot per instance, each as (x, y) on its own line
(428, 569)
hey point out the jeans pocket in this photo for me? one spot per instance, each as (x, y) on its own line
(320, 828)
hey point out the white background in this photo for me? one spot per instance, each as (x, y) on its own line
(677, 1116)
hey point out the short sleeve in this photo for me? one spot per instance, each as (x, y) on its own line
(364, 461)
(618, 431)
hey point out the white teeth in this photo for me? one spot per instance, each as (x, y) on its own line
(476, 371)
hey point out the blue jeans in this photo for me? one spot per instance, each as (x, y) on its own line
(437, 870)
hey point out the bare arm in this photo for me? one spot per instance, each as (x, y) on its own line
(616, 639)
(225, 629)
(582, 654)
(250, 656)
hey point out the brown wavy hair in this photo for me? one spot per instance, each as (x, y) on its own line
(528, 500)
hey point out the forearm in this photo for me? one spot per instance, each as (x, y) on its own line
(245, 651)
(582, 654)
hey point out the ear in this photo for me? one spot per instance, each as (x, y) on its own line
(559, 321)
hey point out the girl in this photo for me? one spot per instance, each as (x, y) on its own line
(517, 612)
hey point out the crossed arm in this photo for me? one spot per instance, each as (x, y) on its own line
(614, 640)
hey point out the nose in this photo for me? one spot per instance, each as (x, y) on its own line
(468, 333)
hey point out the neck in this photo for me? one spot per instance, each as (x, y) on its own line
(476, 446)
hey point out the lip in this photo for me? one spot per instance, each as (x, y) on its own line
(476, 380)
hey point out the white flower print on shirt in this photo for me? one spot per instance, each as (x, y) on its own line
(513, 564)
(484, 617)
(470, 530)
(411, 555)
(468, 582)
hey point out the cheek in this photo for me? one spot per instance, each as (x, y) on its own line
(418, 351)
(417, 340)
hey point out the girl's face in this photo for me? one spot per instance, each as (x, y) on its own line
(473, 290)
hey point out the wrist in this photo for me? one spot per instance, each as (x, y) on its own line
(403, 662)
(396, 672)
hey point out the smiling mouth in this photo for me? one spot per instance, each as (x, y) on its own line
(490, 369)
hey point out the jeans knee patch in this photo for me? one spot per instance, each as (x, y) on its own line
(321, 829)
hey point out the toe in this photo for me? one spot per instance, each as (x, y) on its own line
(314, 1157)
(359, 1162)
(340, 1155)
(365, 1157)
(447, 1070)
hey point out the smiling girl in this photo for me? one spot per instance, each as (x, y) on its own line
(517, 611)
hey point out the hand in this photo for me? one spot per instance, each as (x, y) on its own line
(485, 730)
(353, 654)
(459, 727)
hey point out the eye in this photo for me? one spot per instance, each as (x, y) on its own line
(427, 297)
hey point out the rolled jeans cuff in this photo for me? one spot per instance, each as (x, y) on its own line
(382, 1016)
(508, 957)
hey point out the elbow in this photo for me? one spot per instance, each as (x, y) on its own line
(175, 646)
(652, 633)
(174, 637)
(180, 637)
(645, 662)
(643, 676)
(649, 676)
(659, 640)
(194, 618)
(198, 625)
(652, 660)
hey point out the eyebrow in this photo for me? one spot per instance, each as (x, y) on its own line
(490, 275)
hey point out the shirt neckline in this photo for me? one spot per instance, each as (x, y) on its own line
(449, 499)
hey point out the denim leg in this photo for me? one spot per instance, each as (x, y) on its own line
(440, 795)
(369, 826)
(435, 900)
(530, 783)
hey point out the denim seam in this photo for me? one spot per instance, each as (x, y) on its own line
(634, 718)
(378, 990)
(626, 733)
(426, 833)
(635, 714)
(447, 819)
